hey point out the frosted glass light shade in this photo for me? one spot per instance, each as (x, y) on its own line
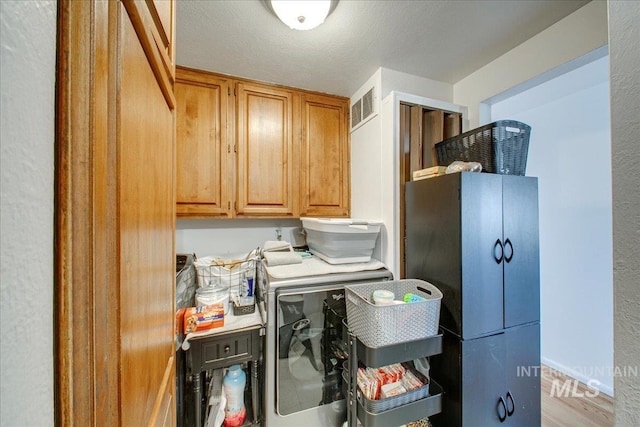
(301, 14)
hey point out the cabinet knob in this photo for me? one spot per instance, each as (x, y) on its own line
(227, 349)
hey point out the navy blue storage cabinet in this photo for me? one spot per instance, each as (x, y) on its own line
(475, 237)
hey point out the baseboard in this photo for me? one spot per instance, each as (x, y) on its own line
(580, 376)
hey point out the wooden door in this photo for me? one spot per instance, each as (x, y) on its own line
(202, 144)
(266, 175)
(324, 157)
(115, 218)
(145, 235)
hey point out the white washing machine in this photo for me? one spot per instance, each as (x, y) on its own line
(305, 343)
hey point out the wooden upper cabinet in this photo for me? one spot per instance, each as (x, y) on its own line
(202, 144)
(248, 149)
(324, 156)
(265, 135)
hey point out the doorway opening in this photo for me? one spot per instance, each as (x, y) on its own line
(421, 128)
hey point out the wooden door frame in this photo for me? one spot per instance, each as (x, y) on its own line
(85, 245)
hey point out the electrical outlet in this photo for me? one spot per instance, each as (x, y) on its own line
(278, 233)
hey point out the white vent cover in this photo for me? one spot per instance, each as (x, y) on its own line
(367, 104)
(356, 113)
(363, 109)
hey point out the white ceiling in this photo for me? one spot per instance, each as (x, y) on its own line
(441, 40)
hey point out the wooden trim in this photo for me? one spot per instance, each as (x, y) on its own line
(163, 36)
(184, 69)
(452, 125)
(162, 406)
(433, 133)
(416, 139)
(158, 58)
(107, 264)
(405, 176)
(86, 374)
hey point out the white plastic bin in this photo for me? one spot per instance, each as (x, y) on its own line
(341, 240)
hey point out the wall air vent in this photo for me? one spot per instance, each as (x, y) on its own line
(356, 113)
(363, 108)
(367, 104)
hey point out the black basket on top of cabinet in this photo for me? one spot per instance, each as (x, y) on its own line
(501, 147)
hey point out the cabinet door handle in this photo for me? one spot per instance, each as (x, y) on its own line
(501, 409)
(495, 255)
(227, 349)
(507, 243)
(513, 404)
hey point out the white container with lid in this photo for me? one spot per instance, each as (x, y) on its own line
(383, 297)
(341, 240)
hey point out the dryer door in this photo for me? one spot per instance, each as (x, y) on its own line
(310, 347)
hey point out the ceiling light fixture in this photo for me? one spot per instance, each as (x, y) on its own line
(301, 14)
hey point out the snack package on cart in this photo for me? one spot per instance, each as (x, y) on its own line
(388, 381)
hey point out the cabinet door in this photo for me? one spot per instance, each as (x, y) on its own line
(145, 237)
(265, 173)
(433, 241)
(523, 375)
(201, 144)
(481, 223)
(324, 161)
(483, 381)
(521, 250)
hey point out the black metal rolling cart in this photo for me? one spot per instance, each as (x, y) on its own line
(411, 333)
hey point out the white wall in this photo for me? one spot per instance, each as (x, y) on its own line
(624, 22)
(397, 81)
(570, 153)
(27, 73)
(572, 37)
(375, 153)
(228, 237)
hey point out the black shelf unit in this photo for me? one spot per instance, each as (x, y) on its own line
(381, 356)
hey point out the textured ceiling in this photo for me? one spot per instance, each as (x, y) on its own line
(440, 40)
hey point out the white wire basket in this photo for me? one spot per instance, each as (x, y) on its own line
(382, 325)
(231, 281)
(226, 273)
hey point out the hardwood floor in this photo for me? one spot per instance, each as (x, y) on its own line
(571, 406)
